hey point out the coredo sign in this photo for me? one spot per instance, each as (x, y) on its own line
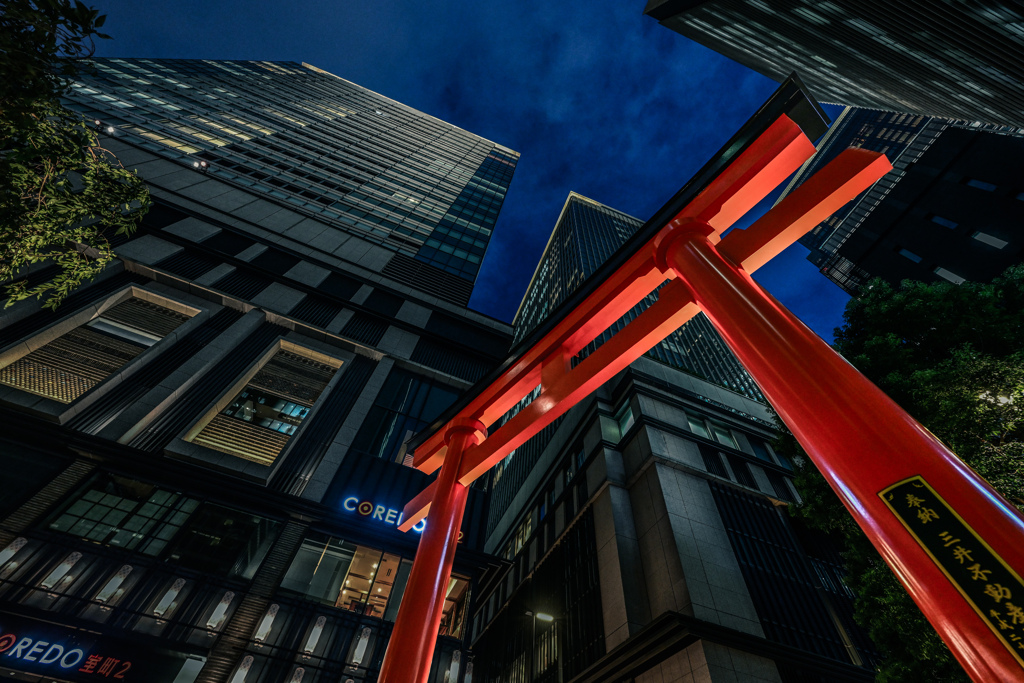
(378, 512)
(74, 655)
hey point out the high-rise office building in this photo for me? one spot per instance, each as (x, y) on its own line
(585, 235)
(937, 58)
(643, 531)
(204, 449)
(421, 195)
(950, 208)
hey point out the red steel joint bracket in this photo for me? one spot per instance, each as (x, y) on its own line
(677, 229)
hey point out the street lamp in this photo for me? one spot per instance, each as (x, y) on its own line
(546, 618)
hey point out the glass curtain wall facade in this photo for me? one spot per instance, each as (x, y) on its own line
(936, 58)
(586, 234)
(362, 163)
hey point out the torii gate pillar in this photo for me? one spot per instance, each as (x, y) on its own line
(953, 542)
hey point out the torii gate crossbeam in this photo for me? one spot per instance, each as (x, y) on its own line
(925, 511)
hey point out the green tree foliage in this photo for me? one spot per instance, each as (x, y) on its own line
(953, 357)
(61, 193)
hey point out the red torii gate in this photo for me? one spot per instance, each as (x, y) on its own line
(954, 543)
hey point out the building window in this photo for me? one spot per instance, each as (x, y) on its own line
(945, 222)
(697, 426)
(406, 404)
(711, 430)
(724, 435)
(949, 275)
(980, 184)
(365, 580)
(70, 365)
(625, 418)
(910, 255)
(257, 423)
(158, 522)
(520, 538)
(990, 240)
(760, 449)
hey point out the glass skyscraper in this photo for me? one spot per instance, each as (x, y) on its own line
(906, 212)
(205, 448)
(585, 235)
(942, 58)
(346, 156)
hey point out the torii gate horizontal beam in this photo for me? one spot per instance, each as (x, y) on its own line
(922, 508)
(752, 176)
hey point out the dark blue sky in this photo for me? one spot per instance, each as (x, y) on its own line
(596, 97)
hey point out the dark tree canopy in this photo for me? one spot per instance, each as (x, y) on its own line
(953, 357)
(61, 194)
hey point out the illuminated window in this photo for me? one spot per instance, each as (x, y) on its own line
(949, 275)
(990, 240)
(70, 365)
(257, 423)
(365, 580)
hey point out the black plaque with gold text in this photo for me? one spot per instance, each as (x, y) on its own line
(992, 587)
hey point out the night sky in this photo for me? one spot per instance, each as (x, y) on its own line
(597, 98)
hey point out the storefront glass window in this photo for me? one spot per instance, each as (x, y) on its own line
(365, 580)
(224, 541)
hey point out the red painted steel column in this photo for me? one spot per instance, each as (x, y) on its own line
(411, 647)
(864, 444)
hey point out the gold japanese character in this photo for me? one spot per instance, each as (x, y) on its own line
(997, 591)
(977, 573)
(1016, 614)
(960, 552)
(926, 515)
(998, 617)
(913, 501)
(948, 538)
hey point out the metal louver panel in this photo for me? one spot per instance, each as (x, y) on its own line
(188, 264)
(74, 303)
(293, 377)
(106, 409)
(315, 310)
(75, 362)
(428, 278)
(70, 365)
(146, 316)
(365, 329)
(450, 360)
(241, 439)
(157, 434)
(243, 284)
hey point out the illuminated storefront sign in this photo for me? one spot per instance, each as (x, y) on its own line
(28, 645)
(377, 512)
